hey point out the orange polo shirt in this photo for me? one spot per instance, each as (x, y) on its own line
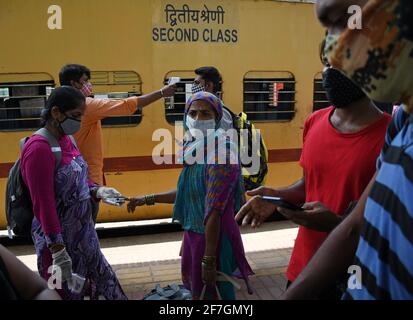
(90, 138)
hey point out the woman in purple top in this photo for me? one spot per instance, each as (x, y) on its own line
(63, 231)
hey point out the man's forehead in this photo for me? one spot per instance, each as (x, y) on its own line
(327, 9)
(200, 104)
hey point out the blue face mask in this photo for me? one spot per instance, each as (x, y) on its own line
(69, 126)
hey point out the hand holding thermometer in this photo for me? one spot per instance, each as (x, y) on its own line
(173, 80)
(282, 203)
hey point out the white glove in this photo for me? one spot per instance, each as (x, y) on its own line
(109, 195)
(62, 261)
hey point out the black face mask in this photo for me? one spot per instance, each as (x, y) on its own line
(340, 90)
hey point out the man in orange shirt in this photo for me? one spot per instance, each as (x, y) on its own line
(90, 138)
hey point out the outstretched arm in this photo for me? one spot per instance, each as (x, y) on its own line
(165, 197)
(149, 98)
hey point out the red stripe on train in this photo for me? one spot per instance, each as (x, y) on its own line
(145, 163)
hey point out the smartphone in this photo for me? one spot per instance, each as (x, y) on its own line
(119, 200)
(174, 80)
(282, 203)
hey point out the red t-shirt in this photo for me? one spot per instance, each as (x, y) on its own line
(337, 168)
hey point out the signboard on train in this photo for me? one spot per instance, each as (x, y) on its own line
(177, 21)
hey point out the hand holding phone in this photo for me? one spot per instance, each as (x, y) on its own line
(282, 203)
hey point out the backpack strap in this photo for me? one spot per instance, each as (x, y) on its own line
(73, 141)
(54, 144)
(22, 142)
(235, 118)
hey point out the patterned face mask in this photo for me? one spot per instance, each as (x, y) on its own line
(379, 57)
(197, 88)
(86, 89)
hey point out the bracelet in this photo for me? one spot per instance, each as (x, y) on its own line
(209, 260)
(209, 267)
(161, 92)
(150, 199)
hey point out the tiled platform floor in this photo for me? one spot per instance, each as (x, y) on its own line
(269, 281)
(142, 261)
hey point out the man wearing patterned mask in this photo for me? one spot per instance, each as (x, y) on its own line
(377, 237)
(208, 79)
(341, 144)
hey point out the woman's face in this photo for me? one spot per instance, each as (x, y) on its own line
(76, 113)
(201, 110)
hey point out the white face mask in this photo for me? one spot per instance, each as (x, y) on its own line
(201, 125)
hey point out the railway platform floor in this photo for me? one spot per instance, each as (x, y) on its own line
(142, 261)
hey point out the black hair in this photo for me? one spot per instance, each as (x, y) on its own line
(66, 98)
(73, 72)
(210, 74)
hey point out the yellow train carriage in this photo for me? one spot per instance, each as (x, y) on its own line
(267, 52)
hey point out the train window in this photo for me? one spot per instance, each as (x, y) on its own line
(174, 106)
(117, 85)
(269, 95)
(320, 100)
(22, 97)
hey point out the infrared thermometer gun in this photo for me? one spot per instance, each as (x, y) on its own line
(173, 80)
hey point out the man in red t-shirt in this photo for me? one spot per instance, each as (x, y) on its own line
(340, 148)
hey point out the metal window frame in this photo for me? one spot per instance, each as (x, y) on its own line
(29, 79)
(112, 79)
(271, 74)
(318, 79)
